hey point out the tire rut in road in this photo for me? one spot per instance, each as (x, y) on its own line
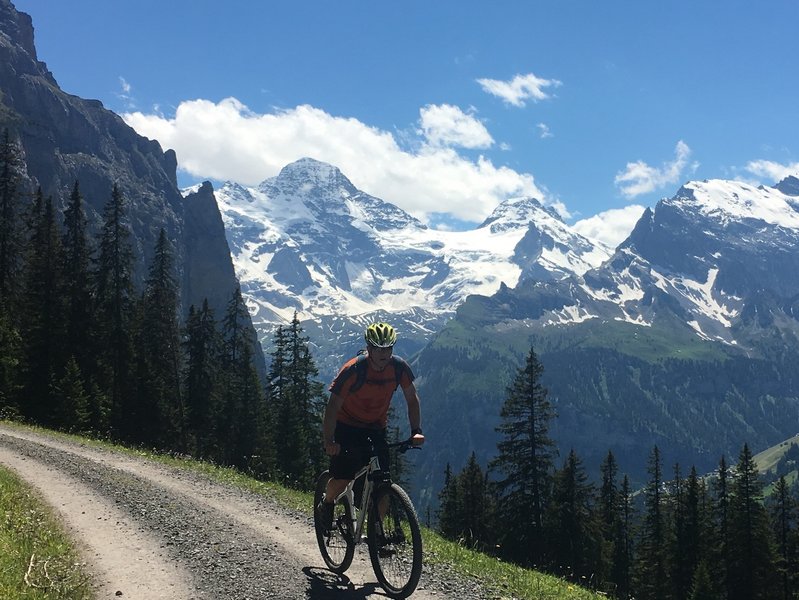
(121, 557)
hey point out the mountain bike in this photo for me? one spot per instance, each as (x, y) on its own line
(392, 528)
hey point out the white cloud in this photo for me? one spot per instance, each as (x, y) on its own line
(126, 94)
(227, 141)
(612, 226)
(543, 131)
(520, 88)
(639, 178)
(447, 125)
(772, 171)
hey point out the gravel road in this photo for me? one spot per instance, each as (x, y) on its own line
(150, 532)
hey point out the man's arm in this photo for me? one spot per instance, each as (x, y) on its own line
(329, 424)
(414, 413)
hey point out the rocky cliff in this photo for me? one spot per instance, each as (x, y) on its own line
(65, 139)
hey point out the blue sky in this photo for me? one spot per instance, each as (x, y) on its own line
(447, 107)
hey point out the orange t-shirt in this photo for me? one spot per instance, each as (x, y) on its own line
(367, 405)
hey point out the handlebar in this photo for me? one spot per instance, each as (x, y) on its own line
(405, 445)
(402, 447)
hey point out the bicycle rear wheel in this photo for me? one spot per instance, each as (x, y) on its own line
(336, 545)
(395, 542)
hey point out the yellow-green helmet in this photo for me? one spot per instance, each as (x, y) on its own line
(381, 335)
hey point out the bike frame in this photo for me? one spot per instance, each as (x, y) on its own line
(366, 497)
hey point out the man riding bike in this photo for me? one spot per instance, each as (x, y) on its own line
(357, 411)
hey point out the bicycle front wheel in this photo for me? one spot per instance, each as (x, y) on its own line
(395, 542)
(336, 544)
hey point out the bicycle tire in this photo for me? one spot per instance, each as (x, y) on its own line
(337, 545)
(395, 542)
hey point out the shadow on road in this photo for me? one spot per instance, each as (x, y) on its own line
(325, 585)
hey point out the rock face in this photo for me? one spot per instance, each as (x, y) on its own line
(66, 139)
(208, 270)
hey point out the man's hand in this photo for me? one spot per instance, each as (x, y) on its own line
(332, 448)
(417, 439)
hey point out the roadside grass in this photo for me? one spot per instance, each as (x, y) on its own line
(505, 580)
(37, 561)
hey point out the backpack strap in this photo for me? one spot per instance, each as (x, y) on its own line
(399, 368)
(361, 367)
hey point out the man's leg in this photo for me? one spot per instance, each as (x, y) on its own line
(334, 489)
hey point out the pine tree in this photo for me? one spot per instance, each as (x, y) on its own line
(690, 533)
(11, 251)
(708, 536)
(77, 286)
(608, 509)
(783, 520)
(202, 347)
(621, 571)
(525, 458)
(291, 454)
(71, 400)
(11, 236)
(264, 462)
(652, 581)
(680, 581)
(115, 307)
(473, 505)
(448, 517)
(44, 315)
(573, 532)
(609, 495)
(278, 395)
(793, 555)
(10, 352)
(241, 391)
(719, 561)
(702, 587)
(309, 394)
(160, 407)
(752, 573)
(297, 401)
(687, 531)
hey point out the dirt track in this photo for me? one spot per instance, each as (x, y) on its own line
(151, 532)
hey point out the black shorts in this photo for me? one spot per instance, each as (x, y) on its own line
(355, 450)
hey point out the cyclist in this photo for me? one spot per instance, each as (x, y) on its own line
(357, 411)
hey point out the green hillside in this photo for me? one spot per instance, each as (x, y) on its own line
(768, 459)
(615, 386)
(780, 460)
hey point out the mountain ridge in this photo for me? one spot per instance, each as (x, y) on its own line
(308, 241)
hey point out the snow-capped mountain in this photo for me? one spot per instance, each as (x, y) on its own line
(308, 241)
(713, 257)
